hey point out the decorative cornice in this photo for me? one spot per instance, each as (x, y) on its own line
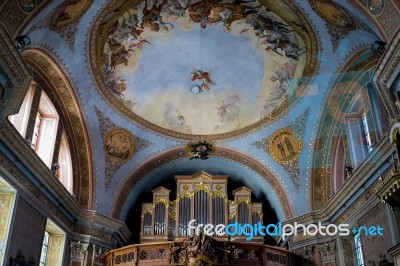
(92, 217)
(387, 72)
(179, 153)
(65, 201)
(390, 60)
(16, 71)
(388, 189)
(357, 180)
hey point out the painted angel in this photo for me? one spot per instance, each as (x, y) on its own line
(204, 76)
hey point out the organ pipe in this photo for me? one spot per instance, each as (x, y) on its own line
(202, 199)
(159, 219)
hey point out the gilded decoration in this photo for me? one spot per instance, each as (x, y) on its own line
(68, 12)
(339, 20)
(119, 145)
(179, 153)
(125, 33)
(285, 146)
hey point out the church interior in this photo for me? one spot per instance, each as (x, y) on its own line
(266, 113)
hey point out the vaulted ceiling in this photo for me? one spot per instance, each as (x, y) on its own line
(253, 77)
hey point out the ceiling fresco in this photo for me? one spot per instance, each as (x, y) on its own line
(149, 76)
(199, 68)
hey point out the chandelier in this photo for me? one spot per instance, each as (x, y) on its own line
(199, 149)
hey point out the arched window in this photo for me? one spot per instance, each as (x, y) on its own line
(20, 120)
(366, 123)
(64, 173)
(45, 130)
(39, 123)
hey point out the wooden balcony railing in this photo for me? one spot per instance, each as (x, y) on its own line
(218, 254)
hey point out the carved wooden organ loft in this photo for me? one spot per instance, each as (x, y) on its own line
(202, 197)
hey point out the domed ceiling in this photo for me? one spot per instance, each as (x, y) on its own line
(201, 67)
(252, 77)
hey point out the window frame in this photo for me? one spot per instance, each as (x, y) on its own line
(65, 170)
(358, 250)
(20, 120)
(45, 246)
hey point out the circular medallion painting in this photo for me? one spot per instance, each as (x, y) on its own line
(376, 6)
(27, 5)
(198, 67)
(284, 146)
(119, 145)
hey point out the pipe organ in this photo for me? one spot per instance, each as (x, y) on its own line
(202, 197)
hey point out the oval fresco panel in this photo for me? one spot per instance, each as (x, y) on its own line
(200, 68)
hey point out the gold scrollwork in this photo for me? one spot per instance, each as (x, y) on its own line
(172, 215)
(201, 187)
(259, 212)
(220, 195)
(144, 212)
(234, 202)
(166, 202)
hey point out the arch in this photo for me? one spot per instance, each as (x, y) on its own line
(54, 82)
(180, 153)
(346, 104)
